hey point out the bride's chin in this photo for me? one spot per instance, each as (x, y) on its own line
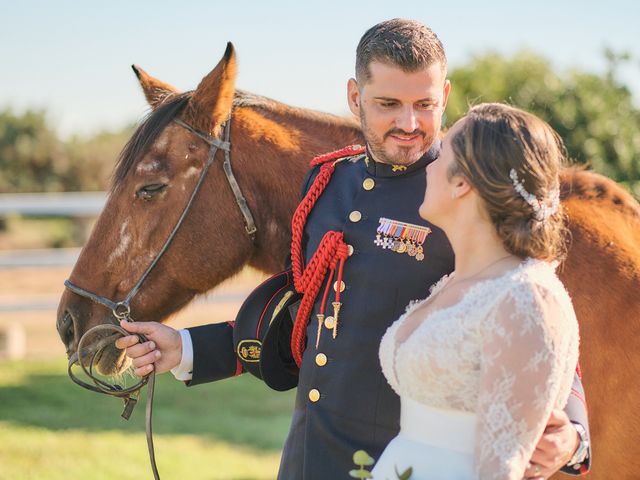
(424, 212)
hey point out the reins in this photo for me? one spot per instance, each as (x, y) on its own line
(122, 310)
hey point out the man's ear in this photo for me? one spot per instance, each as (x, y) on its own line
(445, 93)
(353, 97)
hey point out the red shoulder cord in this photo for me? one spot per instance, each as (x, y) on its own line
(331, 252)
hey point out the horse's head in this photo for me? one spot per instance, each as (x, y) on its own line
(152, 183)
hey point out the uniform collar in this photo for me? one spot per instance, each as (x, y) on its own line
(385, 170)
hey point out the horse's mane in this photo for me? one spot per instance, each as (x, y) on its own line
(157, 119)
(584, 184)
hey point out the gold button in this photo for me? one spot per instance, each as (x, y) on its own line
(330, 322)
(321, 359)
(355, 216)
(368, 184)
(314, 395)
(342, 286)
(350, 249)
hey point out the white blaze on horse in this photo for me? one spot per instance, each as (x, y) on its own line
(271, 146)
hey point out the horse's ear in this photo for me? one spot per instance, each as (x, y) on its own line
(211, 102)
(155, 90)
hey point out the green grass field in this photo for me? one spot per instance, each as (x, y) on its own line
(52, 429)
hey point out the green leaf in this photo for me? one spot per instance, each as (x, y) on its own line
(360, 474)
(406, 475)
(362, 458)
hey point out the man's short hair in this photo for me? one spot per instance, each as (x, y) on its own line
(407, 44)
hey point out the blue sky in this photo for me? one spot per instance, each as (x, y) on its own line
(73, 57)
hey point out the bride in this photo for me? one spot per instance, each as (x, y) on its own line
(480, 364)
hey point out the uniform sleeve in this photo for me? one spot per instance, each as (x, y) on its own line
(528, 347)
(576, 410)
(213, 355)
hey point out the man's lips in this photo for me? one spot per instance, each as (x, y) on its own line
(405, 138)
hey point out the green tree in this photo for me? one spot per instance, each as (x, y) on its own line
(31, 156)
(91, 159)
(34, 159)
(594, 114)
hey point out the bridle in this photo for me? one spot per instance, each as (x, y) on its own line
(121, 310)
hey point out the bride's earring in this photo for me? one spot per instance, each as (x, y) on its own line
(454, 195)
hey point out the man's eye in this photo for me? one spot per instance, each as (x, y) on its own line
(427, 106)
(387, 104)
(149, 191)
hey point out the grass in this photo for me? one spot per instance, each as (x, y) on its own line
(51, 429)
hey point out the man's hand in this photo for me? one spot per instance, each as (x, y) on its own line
(162, 351)
(556, 447)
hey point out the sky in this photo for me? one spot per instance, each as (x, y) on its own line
(73, 58)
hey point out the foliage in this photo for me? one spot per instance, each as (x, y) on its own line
(361, 459)
(31, 156)
(34, 159)
(594, 114)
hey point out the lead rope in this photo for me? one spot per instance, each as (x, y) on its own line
(130, 395)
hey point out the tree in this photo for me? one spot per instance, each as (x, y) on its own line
(594, 114)
(33, 159)
(31, 156)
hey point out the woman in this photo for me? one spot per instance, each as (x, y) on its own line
(480, 363)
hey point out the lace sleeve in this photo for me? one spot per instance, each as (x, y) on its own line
(528, 356)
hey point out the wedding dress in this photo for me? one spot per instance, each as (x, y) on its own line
(477, 380)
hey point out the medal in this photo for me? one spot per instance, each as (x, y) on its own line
(402, 237)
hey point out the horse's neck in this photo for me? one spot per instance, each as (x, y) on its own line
(276, 148)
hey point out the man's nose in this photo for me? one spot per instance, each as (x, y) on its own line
(407, 121)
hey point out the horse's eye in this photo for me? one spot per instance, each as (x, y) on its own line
(149, 191)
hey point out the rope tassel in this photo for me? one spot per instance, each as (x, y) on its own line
(331, 252)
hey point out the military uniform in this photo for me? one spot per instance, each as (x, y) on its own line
(343, 401)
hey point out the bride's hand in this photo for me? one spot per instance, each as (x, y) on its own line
(556, 447)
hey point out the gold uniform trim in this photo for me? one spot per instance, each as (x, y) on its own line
(249, 350)
(281, 304)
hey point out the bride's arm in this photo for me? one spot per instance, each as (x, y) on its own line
(529, 347)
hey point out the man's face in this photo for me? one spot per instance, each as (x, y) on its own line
(400, 112)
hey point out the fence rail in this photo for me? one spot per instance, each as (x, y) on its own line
(44, 258)
(69, 204)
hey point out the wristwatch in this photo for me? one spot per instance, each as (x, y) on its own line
(583, 448)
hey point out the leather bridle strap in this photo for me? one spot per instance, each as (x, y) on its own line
(124, 305)
(122, 310)
(249, 223)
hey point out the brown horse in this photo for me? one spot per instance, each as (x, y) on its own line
(271, 147)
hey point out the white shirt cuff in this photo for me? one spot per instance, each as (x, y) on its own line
(184, 371)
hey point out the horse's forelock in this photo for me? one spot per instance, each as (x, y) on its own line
(146, 134)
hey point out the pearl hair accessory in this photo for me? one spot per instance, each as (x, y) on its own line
(542, 209)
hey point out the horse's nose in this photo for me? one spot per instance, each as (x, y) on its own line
(64, 325)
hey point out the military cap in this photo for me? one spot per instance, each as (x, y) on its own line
(262, 332)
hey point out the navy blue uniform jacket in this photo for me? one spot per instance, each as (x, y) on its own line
(356, 408)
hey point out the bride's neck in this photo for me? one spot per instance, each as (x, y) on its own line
(476, 245)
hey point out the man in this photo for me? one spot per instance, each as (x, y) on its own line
(360, 254)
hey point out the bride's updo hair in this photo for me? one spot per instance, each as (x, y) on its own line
(513, 159)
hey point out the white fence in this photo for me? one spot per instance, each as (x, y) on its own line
(70, 204)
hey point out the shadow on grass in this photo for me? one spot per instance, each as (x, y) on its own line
(238, 410)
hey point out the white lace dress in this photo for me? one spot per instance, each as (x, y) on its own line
(478, 380)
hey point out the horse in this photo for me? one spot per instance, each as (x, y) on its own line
(271, 146)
